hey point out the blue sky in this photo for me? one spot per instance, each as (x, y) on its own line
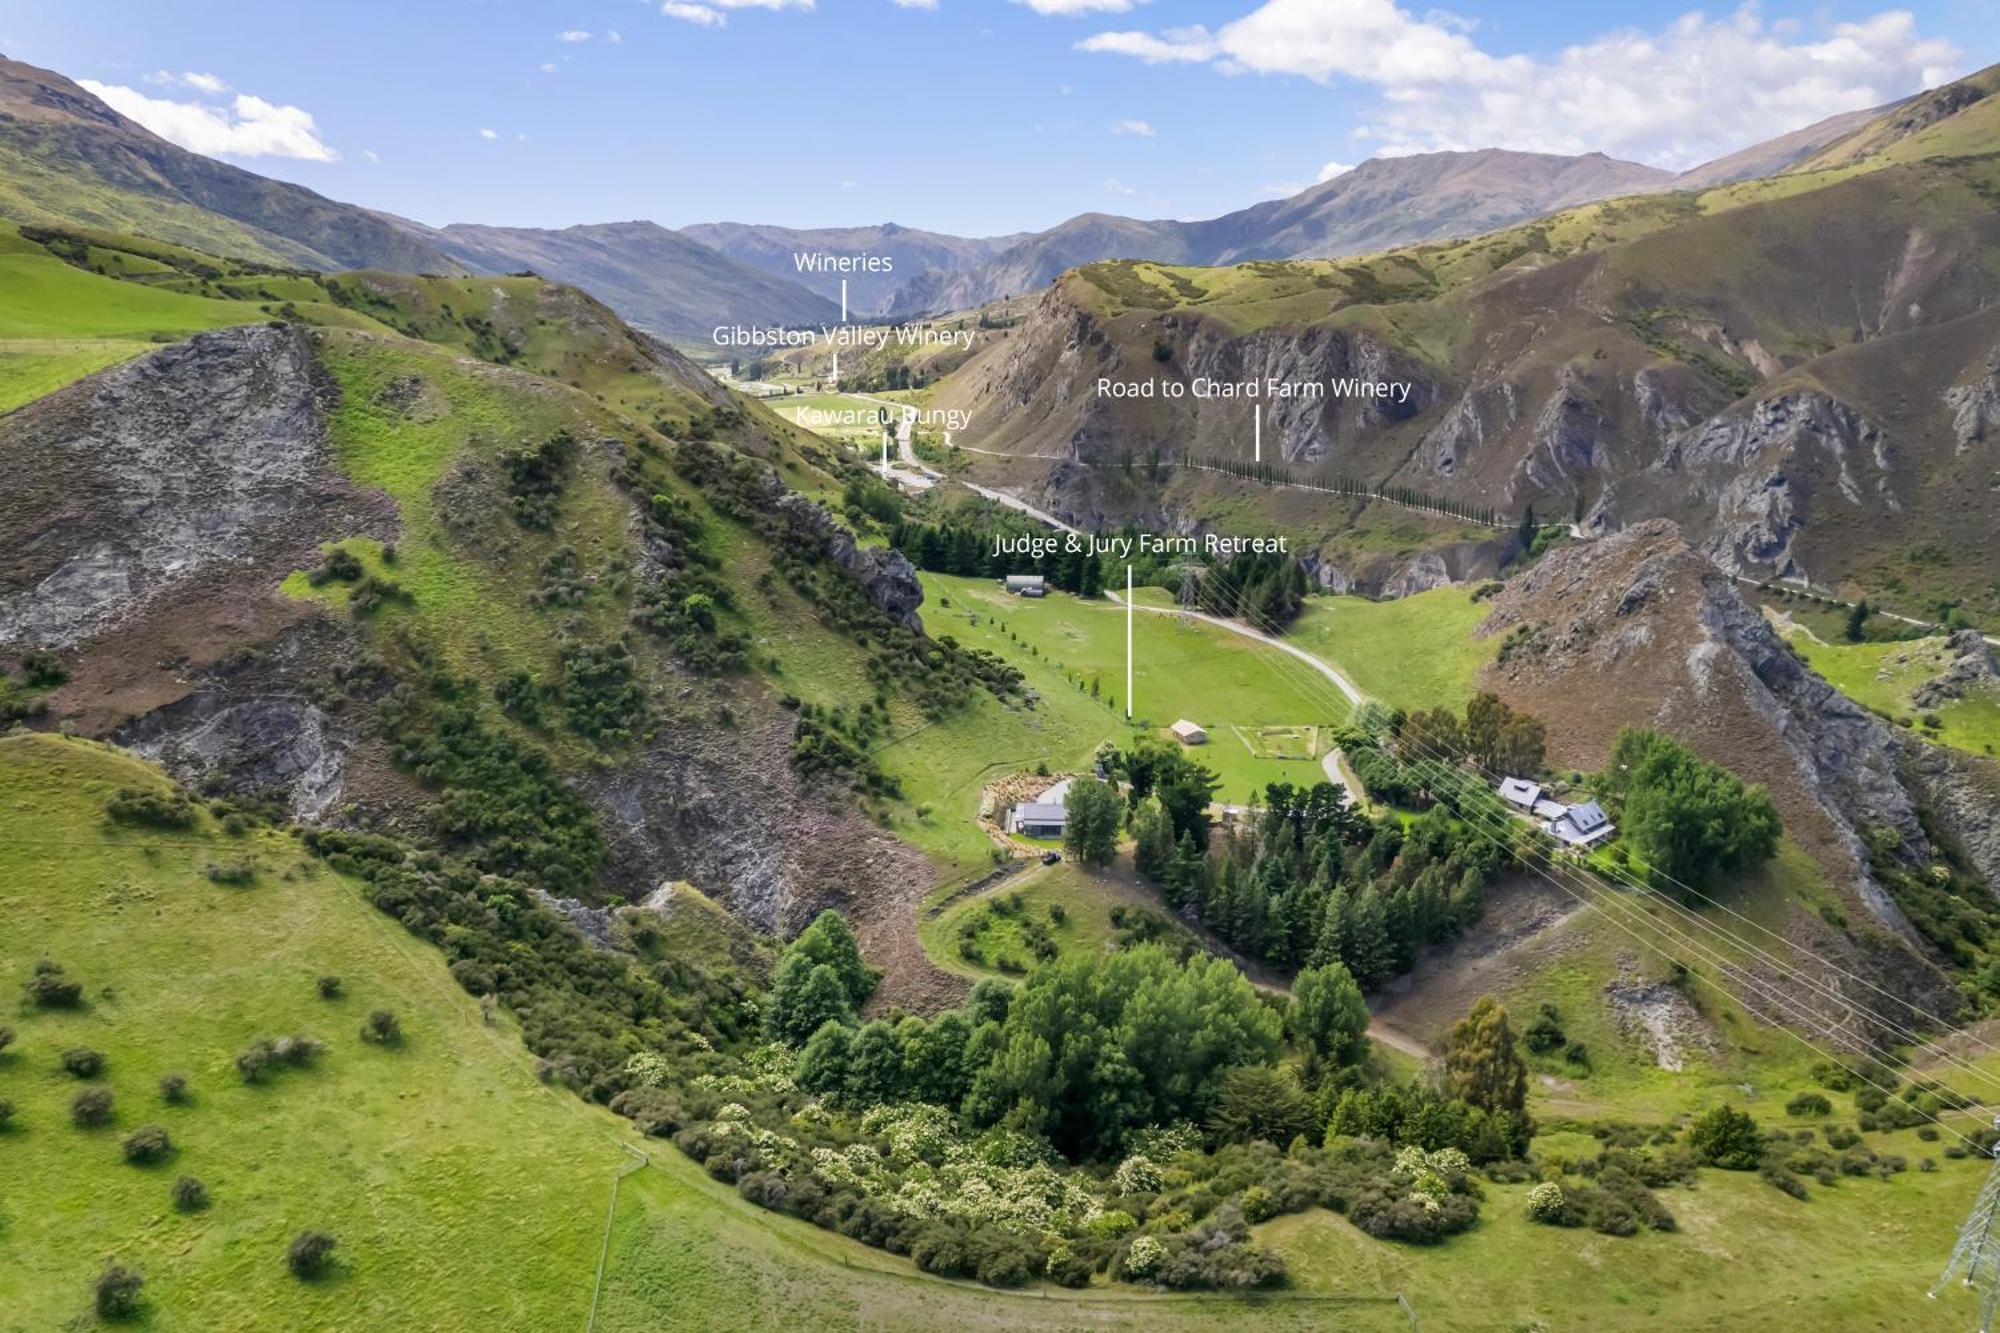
(968, 116)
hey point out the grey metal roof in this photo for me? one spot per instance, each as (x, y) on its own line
(1037, 812)
(1587, 816)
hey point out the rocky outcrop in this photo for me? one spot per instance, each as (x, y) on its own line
(149, 475)
(1962, 795)
(1758, 465)
(1975, 408)
(1637, 629)
(275, 746)
(883, 573)
(1973, 666)
(1567, 436)
(1847, 756)
(724, 810)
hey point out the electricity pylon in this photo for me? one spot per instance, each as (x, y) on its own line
(1975, 1260)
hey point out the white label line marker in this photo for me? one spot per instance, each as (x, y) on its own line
(1128, 643)
(843, 300)
(1259, 431)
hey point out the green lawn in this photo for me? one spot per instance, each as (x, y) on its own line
(406, 1156)
(59, 323)
(1858, 1255)
(1413, 652)
(43, 297)
(999, 918)
(1200, 672)
(795, 409)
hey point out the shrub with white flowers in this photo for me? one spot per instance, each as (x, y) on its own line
(1137, 1174)
(648, 1069)
(1143, 1259)
(1546, 1202)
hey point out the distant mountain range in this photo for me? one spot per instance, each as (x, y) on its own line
(66, 157)
(664, 281)
(915, 255)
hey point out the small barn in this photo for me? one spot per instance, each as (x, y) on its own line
(1189, 733)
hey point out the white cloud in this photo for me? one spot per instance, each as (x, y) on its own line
(1068, 7)
(1697, 88)
(614, 37)
(1332, 169)
(700, 15)
(207, 83)
(1134, 128)
(548, 67)
(1174, 46)
(711, 15)
(368, 155)
(489, 135)
(916, 4)
(1117, 186)
(573, 35)
(246, 127)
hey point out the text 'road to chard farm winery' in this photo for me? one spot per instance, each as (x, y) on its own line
(1205, 387)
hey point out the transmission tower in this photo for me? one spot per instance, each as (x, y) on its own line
(1975, 1260)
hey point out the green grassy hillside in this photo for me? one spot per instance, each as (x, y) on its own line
(1882, 676)
(463, 1192)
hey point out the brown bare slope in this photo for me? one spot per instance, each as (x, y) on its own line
(1638, 630)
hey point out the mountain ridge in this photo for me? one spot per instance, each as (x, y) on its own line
(67, 157)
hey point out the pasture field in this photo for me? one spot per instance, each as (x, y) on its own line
(1413, 652)
(1200, 672)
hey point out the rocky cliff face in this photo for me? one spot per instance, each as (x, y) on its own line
(158, 472)
(886, 575)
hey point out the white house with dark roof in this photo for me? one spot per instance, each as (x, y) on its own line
(1583, 825)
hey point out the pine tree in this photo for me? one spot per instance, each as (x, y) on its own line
(1481, 1066)
(1857, 620)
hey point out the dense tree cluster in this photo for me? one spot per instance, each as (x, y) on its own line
(1688, 820)
(1311, 882)
(969, 548)
(1267, 590)
(820, 979)
(1492, 736)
